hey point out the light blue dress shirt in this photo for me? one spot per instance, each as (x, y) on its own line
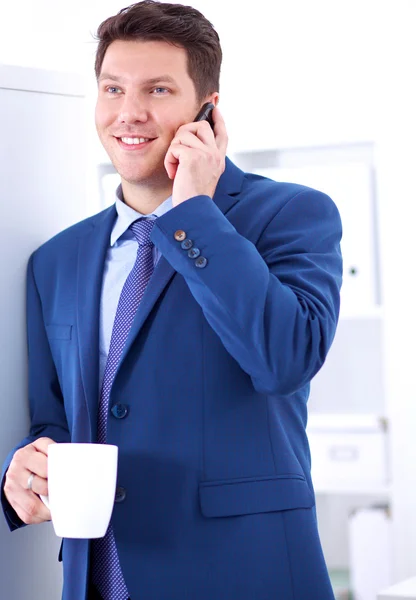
(121, 256)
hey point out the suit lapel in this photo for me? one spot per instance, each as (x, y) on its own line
(92, 252)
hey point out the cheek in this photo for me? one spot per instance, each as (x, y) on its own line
(171, 127)
(170, 133)
(170, 119)
(103, 116)
(98, 120)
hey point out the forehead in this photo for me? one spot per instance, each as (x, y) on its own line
(144, 59)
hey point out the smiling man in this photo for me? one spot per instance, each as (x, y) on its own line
(197, 309)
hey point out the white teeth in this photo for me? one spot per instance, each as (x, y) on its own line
(133, 141)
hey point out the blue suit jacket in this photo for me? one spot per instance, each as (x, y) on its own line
(213, 457)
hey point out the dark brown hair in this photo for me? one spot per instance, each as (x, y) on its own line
(176, 24)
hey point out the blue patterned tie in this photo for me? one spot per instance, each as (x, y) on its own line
(106, 571)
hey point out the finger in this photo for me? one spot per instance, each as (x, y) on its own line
(206, 134)
(31, 509)
(19, 478)
(33, 505)
(17, 475)
(40, 486)
(29, 460)
(173, 156)
(25, 517)
(37, 463)
(171, 163)
(221, 136)
(27, 504)
(178, 152)
(42, 444)
(186, 138)
(201, 129)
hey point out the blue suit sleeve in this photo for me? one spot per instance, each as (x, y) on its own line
(274, 304)
(47, 411)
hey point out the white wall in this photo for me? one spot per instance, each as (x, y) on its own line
(42, 187)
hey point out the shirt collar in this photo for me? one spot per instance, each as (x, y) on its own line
(127, 215)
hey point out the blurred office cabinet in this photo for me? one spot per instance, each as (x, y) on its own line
(404, 590)
(42, 183)
(348, 452)
(356, 360)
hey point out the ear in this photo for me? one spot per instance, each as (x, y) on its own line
(215, 98)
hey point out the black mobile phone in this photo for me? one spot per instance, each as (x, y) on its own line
(205, 114)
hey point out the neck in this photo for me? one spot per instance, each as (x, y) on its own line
(145, 198)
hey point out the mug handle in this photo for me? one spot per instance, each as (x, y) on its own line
(45, 500)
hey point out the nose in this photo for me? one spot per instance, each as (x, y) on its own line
(132, 110)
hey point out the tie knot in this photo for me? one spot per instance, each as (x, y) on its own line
(142, 228)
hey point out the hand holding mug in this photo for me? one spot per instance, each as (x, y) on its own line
(27, 479)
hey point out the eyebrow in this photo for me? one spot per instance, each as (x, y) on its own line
(151, 81)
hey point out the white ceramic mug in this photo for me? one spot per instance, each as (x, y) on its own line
(82, 484)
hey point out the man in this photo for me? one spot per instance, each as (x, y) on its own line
(183, 324)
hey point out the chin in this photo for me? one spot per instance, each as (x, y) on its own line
(133, 179)
(150, 177)
(131, 173)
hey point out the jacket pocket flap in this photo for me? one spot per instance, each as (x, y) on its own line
(245, 497)
(59, 332)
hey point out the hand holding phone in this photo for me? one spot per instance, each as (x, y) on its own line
(196, 157)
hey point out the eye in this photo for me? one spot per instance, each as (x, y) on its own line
(110, 89)
(160, 91)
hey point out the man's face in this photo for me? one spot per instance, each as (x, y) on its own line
(144, 91)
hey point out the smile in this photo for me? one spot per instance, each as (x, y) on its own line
(134, 143)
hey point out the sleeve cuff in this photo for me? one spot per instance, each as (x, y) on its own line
(12, 519)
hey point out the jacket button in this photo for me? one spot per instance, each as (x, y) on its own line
(187, 244)
(194, 252)
(120, 411)
(179, 235)
(120, 494)
(201, 262)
